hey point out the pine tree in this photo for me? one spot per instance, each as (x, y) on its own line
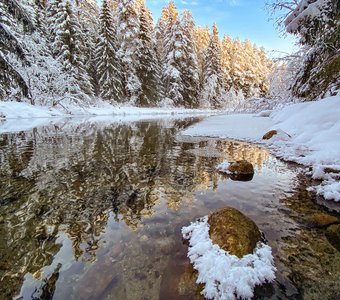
(189, 67)
(213, 93)
(226, 50)
(236, 65)
(148, 68)
(172, 67)
(87, 14)
(67, 46)
(108, 67)
(128, 32)
(202, 38)
(40, 15)
(164, 27)
(51, 14)
(316, 22)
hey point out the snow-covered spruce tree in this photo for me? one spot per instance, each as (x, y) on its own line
(67, 46)
(40, 15)
(51, 15)
(213, 92)
(128, 32)
(12, 82)
(189, 67)
(262, 70)
(172, 66)
(108, 67)
(317, 23)
(227, 49)
(87, 13)
(148, 67)
(202, 38)
(237, 61)
(163, 28)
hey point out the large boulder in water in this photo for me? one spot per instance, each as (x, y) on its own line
(233, 231)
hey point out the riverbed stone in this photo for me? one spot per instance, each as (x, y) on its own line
(322, 220)
(269, 134)
(233, 231)
(241, 167)
(333, 235)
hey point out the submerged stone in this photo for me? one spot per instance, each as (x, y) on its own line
(333, 235)
(233, 231)
(322, 220)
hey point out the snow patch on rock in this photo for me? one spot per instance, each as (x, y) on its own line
(223, 167)
(226, 276)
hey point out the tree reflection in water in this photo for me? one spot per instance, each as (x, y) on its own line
(99, 189)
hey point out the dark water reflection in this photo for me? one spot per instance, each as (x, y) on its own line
(94, 211)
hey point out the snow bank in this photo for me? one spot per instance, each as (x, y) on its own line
(308, 133)
(237, 126)
(15, 110)
(315, 142)
(226, 276)
(32, 116)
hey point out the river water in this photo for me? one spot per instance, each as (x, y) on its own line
(94, 210)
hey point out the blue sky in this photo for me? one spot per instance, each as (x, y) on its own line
(237, 18)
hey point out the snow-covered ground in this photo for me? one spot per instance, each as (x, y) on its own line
(21, 116)
(238, 126)
(314, 129)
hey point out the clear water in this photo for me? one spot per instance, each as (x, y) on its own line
(94, 210)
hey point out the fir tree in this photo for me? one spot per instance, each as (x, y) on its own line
(172, 67)
(128, 32)
(147, 69)
(227, 49)
(189, 67)
(164, 27)
(67, 46)
(51, 15)
(213, 93)
(108, 67)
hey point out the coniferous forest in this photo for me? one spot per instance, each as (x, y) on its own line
(55, 50)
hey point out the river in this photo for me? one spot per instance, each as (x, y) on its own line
(93, 210)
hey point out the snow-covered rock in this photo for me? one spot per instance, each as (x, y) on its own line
(226, 276)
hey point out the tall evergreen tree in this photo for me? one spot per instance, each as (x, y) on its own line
(189, 67)
(51, 15)
(316, 22)
(202, 38)
(148, 68)
(128, 32)
(213, 92)
(227, 49)
(172, 67)
(163, 29)
(67, 46)
(108, 66)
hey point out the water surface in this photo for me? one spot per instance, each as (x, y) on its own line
(94, 210)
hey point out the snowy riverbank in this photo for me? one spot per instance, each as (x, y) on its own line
(21, 116)
(314, 129)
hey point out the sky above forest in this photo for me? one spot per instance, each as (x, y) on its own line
(237, 18)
